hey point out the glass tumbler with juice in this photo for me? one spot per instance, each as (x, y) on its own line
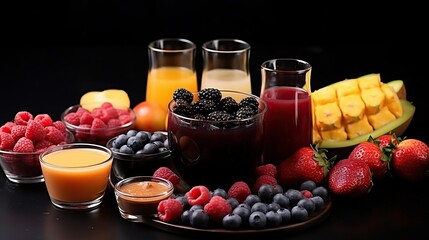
(288, 121)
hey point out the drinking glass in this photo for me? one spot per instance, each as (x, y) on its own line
(226, 65)
(171, 66)
(288, 121)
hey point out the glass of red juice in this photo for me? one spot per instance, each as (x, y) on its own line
(216, 153)
(288, 121)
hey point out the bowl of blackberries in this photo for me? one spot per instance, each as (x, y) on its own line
(138, 153)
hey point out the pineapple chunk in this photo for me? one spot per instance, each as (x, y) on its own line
(347, 87)
(392, 100)
(316, 136)
(337, 134)
(352, 107)
(369, 81)
(324, 95)
(328, 116)
(381, 118)
(373, 99)
(358, 128)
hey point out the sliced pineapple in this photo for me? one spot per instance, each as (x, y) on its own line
(328, 116)
(373, 99)
(337, 134)
(324, 95)
(369, 81)
(359, 128)
(381, 118)
(392, 100)
(347, 87)
(352, 107)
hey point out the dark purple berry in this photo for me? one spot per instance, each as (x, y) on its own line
(232, 221)
(259, 207)
(299, 213)
(257, 220)
(273, 219)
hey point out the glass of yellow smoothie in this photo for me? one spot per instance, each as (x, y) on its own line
(76, 175)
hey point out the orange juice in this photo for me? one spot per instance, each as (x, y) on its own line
(163, 81)
(76, 174)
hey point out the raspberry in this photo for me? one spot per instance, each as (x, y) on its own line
(169, 210)
(6, 141)
(35, 131)
(167, 173)
(199, 195)
(217, 208)
(264, 179)
(97, 125)
(60, 126)
(44, 119)
(42, 145)
(86, 118)
(267, 169)
(239, 190)
(72, 118)
(125, 118)
(112, 112)
(7, 127)
(306, 193)
(106, 105)
(81, 110)
(18, 131)
(22, 117)
(114, 122)
(53, 135)
(23, 145)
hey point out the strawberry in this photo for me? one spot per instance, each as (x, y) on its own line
(307, 163)
(387, 140)
(410, 160)
(371, 154)
(350, 178)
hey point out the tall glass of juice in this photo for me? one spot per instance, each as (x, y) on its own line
(226, 65)
(76, 174)
(171, 66)
(288, 121)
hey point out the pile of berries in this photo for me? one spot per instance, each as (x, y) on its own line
(140, 142)
(98, 125)
(241, 208)
(212, 106)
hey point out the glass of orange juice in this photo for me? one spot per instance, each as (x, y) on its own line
(171, 66)
(76, 174)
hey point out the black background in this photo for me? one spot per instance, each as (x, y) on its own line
(53, 52)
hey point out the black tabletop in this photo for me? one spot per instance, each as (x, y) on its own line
(49, 62)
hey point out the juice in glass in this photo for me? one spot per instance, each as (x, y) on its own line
(76, 175)
(231, 79)
(287, 122)
(163, 81)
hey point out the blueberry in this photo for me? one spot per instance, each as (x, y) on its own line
(294, 195)
(273, 206)
(318, 202)
(278, 188)
(126, 149)
(273, 219)
(184, 201)
(320, 191)
(308, 185)
(243, 212)
(233, 202)
(150, 148)
(257, 220)
(158, 143)
(244, 205)
(196, 207)
(199, 219)
(307, 204)
(282, 200)
(299, 213)
(135, 143)
(144, 135)
(131, 132)
(232, 221)
(266, 193)
(119, 141)
(220, 192)
(259, 207)
(285, 214)
(158, 136)
(252, 199)
(184, 217)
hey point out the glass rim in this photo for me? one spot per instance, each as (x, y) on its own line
(260, 100)
(303, 66)
(211, 45)
(169, 184)
(92, 146)
(188, 45)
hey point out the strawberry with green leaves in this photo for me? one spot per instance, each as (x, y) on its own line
(307, 163)
(410, 160)
(350, 178)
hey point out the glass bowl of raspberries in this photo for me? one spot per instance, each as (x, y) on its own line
(138, 152)
(215, 135)
(98, 123)
(23, 139)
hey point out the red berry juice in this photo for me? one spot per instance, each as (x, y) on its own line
(287, 122)
(214, 157)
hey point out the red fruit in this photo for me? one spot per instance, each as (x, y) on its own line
(371, 154)
(217, 208)
(54, 135)
(350, 178)
(73, 118)
(7, 127)
(410, 160)
(264, 179)
(23, 145)
(387, 140)
(43, 119)
(239, 190)
(22, 117)
(35, 131)
(169, 210)
(267, 169)
(306, 193)
(18, 131)
(167, 173)
(198, 195)
(60, 126)
(86, 118)
(307, 163)
(6, 141)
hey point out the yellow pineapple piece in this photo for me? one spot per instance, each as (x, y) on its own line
(373, 99)
(316, 136)
(324, 95)
(381, 118)
(392, 100)
(369, 81)
(358, 128)
(352, 107)
(336, 134)
(328, 116)
(347, 87)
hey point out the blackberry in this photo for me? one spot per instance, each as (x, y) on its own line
(251, 102)
(228, 104)
(203, 106)
(244, 112)
(213, 94)
(182, 108)
(182, 93)
(220, 116)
